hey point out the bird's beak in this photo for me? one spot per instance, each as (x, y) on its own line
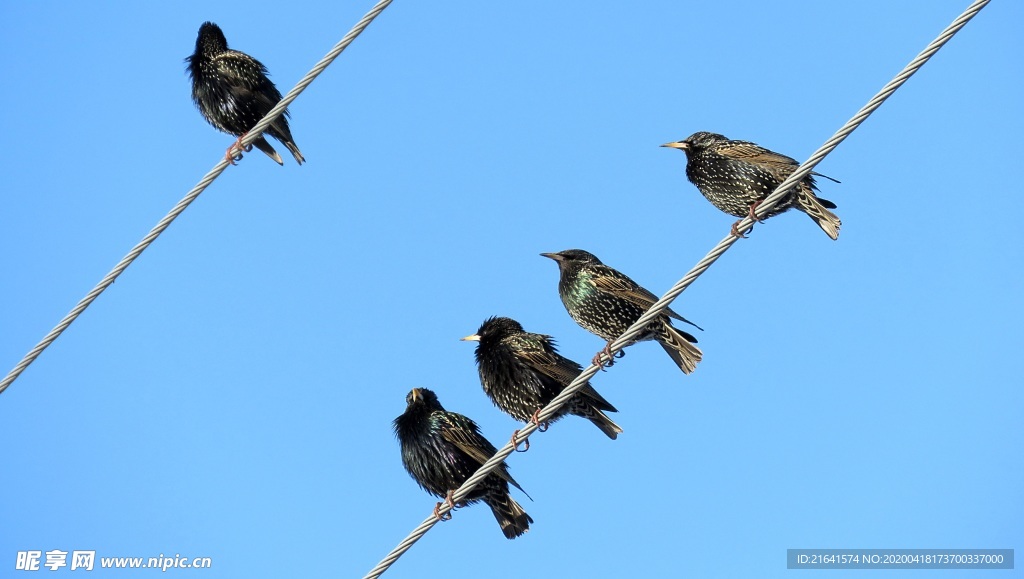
(553, 256)
(416, 394)
(473, 338)
(678, 145)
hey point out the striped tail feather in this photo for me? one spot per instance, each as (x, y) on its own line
(513, 519)
(818, 211)
(581, 406)
(682, 352)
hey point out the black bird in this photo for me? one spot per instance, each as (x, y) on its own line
(442, 449)
(606, 302)
(736, 176)
(232, 91)
(522, 372)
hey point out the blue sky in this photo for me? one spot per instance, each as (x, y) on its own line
(231, 396)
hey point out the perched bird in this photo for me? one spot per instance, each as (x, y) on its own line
(606, 302)
(232, 91)
(442, 449)
(736, 176)
(522, 372)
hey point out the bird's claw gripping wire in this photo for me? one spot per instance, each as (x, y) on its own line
(541, 426)
(515, 442)
(234, 152)
(736, 232)
(605, 359)
(752, 214)
(753, 219)
(437, 508)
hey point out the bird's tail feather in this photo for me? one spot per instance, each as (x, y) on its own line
(295, 151)
(601, 420)
(682, 352)
(829, 222)
(513, 519)
(582, 406)
(264, 146)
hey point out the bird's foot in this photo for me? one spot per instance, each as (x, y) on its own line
(515, 442)
(437, 508)
(604, 358)
(753, 219)
(234, 152)
(753, 214)
(541, 426)
(736, 232)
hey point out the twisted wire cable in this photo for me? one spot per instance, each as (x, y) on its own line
(627, 338)
(191, 196)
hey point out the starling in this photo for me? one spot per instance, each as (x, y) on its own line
(442, 449)
(606, 302)
(522, 372)
(232, 91)
(736, 176)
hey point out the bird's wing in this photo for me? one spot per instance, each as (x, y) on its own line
(618, 284)
(611, 281)
(779, 164)
(465, 435)
(240, 70)
(547, 361)
(745, 151)
(246, 75)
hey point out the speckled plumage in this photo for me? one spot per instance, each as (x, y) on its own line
(442, 449)
(522, 372)
(606, 302)
(232, 91)
(733, 175)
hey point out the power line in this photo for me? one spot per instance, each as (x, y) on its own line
(625, 339)
(191, 196)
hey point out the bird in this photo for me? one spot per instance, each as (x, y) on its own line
(232, 91)
(441, 449)
(606, 302)
(521, 372)
(736, 176)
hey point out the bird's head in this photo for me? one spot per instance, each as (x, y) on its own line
(422, 397)
(573, 257)
(210, 41)
(496, 328)
(696, 142)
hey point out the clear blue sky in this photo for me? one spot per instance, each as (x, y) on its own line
(231, 396)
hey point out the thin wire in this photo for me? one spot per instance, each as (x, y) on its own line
(659, 306)
(191, 196)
